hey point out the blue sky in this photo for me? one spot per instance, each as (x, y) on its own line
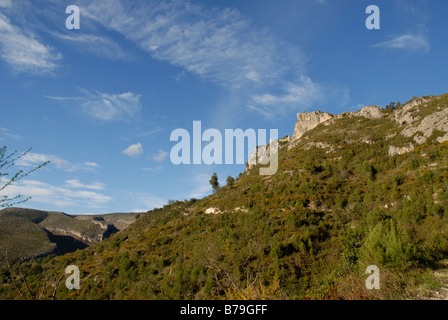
(101, 102)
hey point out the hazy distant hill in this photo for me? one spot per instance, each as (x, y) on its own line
(29, 233)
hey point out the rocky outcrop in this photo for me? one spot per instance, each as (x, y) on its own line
(425, 128)
(320, 145)
(369, 112)
(213, 211)
(400, 150)
(307, 121)
(87, 238)
(261, 154)
(421, 117)
(417, 121)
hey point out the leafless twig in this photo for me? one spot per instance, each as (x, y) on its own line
(12, 276)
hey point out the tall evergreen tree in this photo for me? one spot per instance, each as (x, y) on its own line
(214, 182)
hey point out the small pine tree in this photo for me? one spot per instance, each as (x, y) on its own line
(391, 106)
(230, 180)
(214, 182)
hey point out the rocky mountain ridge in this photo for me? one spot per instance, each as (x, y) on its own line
(417, 120)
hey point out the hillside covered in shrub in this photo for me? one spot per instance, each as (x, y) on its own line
(343, 198)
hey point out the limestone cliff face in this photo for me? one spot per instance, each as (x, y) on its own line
(419, 119)
(416, 121)
(393, 150)
(261, 154)
(307, 121)
(419, 124)
(369, 112)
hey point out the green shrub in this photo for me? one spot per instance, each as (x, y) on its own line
(386, 244)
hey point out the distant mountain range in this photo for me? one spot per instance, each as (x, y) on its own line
(30, 233)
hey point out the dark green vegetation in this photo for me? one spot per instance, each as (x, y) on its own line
(309, 231)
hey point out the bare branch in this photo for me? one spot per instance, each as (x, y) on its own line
(12, 276)
(53, 297)
(33, 296)
(6, 162)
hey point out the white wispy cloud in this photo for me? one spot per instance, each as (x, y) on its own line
(219, 45)
(148, 133)
(150, 202)
(408, 42)
(32, 159)
(153, 169)
(48, 19)
(253, 75)
(160, 156)
(222, 46)
(301, 93)
(180, 76)
(76, 184)
(263, 110)
(63, 197)
(109, 107)
(23, 51)
(144, 201)
(106, 106)
(5, 3)
(298, 95)
(63, 98)
(133, 150)
(5, 132)
(101, 46)
(91, 164)
(202, 186)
